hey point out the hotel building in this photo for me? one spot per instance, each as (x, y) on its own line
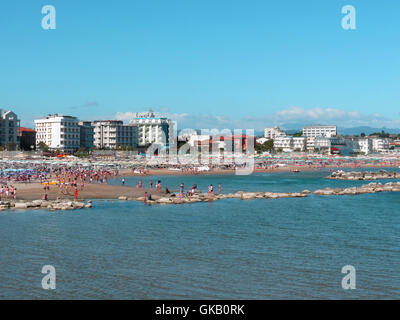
(365, 145)
(58, 132)
(152, 129)
(111, 134)
(320, 131)
(290, 144)
(284, 143)
(86, 134)
(9, 125)
(381, 144)
(27, 138)
(272, 133)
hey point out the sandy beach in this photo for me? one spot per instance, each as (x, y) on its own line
(34, 191)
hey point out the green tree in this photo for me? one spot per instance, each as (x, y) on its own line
(42, 146)
(265, 147)
(81, 152)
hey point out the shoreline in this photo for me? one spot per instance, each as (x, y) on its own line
(35, 191)
(167, 172)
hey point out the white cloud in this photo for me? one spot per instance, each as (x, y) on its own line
(290, 118)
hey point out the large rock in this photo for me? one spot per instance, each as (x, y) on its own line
(248, 195)
(327, 192)
(20, 205)
(78, 205)
(164, 201)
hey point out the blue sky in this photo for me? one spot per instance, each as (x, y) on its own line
(206, 63)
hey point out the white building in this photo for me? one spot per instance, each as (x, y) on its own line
(152, 128)
(320, 131)
(299, 143)
(381, 144)
(9, 125)
(272, 133)
(58, 132)
(322, 143)
(111, 134)
(365, 145)
(283, 143)
(310, 144)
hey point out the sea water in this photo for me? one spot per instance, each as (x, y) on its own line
(291, 248)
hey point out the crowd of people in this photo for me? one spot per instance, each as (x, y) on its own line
(8, 192)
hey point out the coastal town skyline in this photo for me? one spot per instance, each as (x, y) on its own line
(289, 119)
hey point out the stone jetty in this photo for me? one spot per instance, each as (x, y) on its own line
(51, 205)
(367, 188)
(359, 175)
(54, 205)
(205, 197)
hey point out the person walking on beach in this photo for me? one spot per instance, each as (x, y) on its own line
(76, 193)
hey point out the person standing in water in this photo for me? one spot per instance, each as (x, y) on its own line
(123, 181)
(219, 188)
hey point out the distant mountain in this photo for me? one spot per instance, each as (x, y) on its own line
(366, 130)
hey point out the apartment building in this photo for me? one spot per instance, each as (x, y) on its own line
(58, 132)
(86, 134)
(299, 143)
(27, 138)
(381, 144)
(9, 125)
(365, 145)
(320, 131)
(152, 128)
(111, 134)
(283, 143)
(272, 133)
